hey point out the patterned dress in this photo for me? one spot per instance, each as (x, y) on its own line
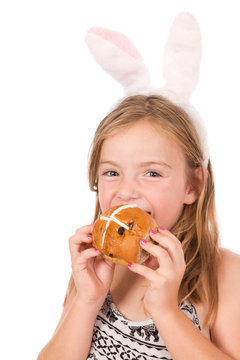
(116, 338)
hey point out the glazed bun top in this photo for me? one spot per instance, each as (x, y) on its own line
(117, 234)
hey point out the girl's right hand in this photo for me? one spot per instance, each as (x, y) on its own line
(91, 273)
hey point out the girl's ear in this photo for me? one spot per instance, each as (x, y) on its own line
(194, 187)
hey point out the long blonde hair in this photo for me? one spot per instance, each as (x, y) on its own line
(197, 227)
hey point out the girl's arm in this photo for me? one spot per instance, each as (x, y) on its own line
(182, 339)
(225, 331)
(72, 338)
(92, 278)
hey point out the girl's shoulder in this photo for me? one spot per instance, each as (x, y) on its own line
(225, 330)
(228, 279)
(228, 269)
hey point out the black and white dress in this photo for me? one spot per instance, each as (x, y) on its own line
(116, 338)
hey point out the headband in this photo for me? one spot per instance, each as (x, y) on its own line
(116, 54)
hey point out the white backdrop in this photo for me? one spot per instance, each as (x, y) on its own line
(53, 95)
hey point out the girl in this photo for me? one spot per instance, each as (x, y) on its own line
(183, 303)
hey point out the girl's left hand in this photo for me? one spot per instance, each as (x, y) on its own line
(161, 296)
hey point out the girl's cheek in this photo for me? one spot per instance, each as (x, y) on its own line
(105, 194)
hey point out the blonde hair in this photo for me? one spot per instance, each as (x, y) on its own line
(197, 227)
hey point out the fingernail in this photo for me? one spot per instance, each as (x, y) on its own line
(130, 264)
(143, 241)
(162, 228)
(89, 236)
(154, 232)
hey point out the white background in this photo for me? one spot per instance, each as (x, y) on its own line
(53, 95)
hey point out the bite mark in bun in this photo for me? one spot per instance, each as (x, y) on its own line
(117, 234)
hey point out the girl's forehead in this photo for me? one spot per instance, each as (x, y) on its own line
(141, 139)
(138, 129)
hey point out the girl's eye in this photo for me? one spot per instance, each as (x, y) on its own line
(111, 173)
(153, 174)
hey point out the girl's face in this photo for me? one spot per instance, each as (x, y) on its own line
(141, 166)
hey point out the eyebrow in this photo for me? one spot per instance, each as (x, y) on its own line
(142, 164)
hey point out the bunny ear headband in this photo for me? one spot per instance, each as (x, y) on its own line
(115, 53)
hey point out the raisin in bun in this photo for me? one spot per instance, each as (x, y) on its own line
(117, 234)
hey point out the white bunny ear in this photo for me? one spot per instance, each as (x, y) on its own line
(182, 56)
(117, 56)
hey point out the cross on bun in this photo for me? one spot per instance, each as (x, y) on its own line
(117, 234)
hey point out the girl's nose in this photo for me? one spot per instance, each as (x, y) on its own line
(127, 190)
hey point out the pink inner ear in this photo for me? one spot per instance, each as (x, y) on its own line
(118, 39)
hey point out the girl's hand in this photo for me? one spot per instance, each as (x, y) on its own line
(161, 296)
(91, 273)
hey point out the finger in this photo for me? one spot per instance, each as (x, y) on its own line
(170, 243)
(77, 244)
(157, 251)
(85, 229)
(80, 239)
(144, 271)
(79, 262)
(82, 236)
(109, 263)
(104, 269)
(84, 233)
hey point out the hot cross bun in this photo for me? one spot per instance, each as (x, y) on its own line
(117, 234)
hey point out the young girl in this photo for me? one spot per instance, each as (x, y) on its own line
(184, 302)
